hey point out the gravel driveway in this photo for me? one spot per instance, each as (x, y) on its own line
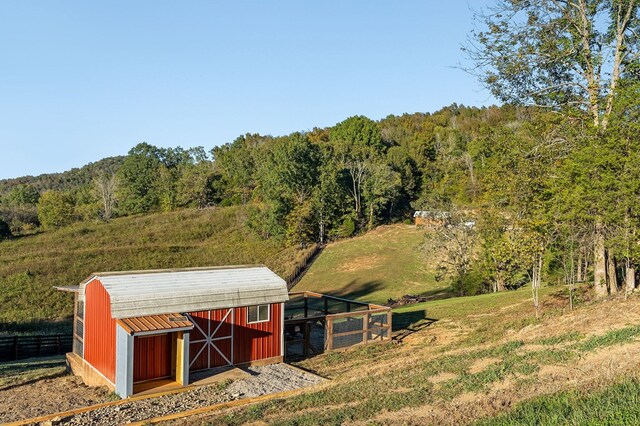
(263, 380)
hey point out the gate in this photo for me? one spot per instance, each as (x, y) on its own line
(211, 343)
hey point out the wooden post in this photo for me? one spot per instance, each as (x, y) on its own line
(328, 333)
(38, 344)
(305, 344)
(15, 347)
(58, 345)
(389, 327)
(365, 328)
(348, 306)
(306, 306)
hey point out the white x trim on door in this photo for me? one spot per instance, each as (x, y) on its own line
(210, 338)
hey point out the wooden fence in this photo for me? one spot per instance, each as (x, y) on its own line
(20, 347)
(302, 266)
(317, 322)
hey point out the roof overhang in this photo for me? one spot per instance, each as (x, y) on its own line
(68, 288)
(155, 324)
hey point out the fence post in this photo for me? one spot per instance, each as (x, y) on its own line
(389, 324)
(38, 344)
(15, 348)
(58, 345)
(306, 306)
(307, 338)
(328, 333)
(365, 328)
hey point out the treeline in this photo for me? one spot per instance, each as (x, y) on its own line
(307, 186)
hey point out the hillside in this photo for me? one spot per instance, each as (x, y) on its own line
(473, 359)
(31, 265)
(67, 180)
(387, 262)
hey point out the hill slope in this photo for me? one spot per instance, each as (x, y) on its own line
(31, 265)
(483, 356)
(387, 262)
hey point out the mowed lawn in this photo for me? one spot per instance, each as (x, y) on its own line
(387, 262)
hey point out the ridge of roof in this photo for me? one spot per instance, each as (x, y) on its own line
(167, 270)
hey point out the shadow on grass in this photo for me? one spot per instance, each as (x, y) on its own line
(357, 291)
(37, 327)
(35, 380)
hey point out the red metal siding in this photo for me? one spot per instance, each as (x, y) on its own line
(215, 324)
(152, 357)
(99, 330)
(253, 342)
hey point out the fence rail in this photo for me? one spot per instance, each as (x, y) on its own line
(20, 347)
(316, 322)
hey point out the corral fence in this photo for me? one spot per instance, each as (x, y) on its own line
(20, 347)
(316, 322)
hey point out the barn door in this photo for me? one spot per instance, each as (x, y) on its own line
(211, 343)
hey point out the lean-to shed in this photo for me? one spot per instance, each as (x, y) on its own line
(138, 326)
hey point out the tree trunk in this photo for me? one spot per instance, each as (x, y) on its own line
(579, 267)
(630, 279)
(612, 278)
(599, 263)
(499, 284)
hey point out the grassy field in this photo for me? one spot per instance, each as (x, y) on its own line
(387, 262)
(30, 266)
(484, 358)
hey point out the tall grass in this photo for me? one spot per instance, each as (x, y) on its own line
(30, 266)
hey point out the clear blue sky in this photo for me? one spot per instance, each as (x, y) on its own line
(82, 80)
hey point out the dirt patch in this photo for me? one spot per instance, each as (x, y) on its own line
(48, 396)
(442, 377)
(360, 263)
(482, 364)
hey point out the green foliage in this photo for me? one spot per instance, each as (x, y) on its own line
(55, 209)
(24, 195)
(470, 283)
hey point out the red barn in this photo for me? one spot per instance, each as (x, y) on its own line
(132, 327)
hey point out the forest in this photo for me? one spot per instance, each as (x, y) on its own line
(550, 178)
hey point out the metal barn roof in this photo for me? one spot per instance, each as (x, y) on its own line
(155, 292)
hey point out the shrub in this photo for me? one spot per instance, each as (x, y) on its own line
(5, 231)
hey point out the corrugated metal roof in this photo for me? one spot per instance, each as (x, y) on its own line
(142, 293)
(151, 323)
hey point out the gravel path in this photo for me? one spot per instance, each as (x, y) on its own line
(263, 380)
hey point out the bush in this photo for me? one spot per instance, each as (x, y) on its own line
(470, 284)
(348, 228)
(5, 231)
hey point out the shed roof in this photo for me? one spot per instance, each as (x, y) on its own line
(155, 323)
(155, 292)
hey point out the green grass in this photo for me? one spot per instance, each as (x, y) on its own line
(30, 266)
(385, 263)
(17, 373)
(618, 404)
(563, 338)
(614, 337)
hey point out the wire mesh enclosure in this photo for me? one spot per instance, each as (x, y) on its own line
(317, 322)
(78, 327)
